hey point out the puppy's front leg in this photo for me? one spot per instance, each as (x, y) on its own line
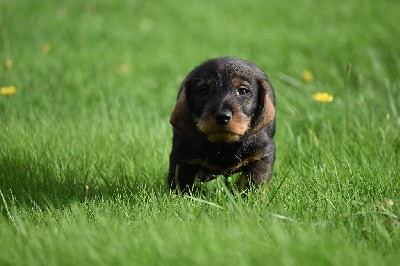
(182, 176)
(256, 173)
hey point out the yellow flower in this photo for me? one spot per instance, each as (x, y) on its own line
(8, 64)
(46, 48)
(307, 76)
(125, 68)
(323, 97)
(387, 203)
(8, 90)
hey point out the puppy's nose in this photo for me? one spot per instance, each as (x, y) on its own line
(223, 117)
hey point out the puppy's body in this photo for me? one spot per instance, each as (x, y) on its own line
(223, 123)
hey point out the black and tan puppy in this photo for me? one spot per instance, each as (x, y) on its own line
(223, 123)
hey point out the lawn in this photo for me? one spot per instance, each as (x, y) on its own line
(85, 138)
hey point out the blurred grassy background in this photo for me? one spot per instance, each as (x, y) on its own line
(96, 81)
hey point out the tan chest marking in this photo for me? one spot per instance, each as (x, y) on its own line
(214, 167)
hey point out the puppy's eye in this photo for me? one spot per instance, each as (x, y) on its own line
(242, 91)
(203, 90)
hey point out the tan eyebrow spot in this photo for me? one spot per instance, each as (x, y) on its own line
(236, 82)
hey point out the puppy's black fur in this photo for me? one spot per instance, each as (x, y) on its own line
(223, 123)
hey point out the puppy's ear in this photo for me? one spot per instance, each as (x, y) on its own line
(180, 117)
(265, 112)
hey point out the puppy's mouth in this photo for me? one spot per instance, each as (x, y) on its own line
(216, 133)
(223, 136)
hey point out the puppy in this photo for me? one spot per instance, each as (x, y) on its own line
(223, 123)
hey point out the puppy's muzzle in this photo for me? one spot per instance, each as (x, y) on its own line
(223, 117)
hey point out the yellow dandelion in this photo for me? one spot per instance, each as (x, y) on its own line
(8, 64)
(387, 203)
(8, 90)
(46, 48)
(307, 76)
(323, 97)
(125, 68)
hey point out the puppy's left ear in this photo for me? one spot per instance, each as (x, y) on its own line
(265, 112)
(180, 117)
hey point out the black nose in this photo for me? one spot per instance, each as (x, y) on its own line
(223, 117)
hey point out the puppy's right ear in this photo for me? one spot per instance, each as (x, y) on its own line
(181, 119)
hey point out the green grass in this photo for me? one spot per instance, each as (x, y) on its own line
(77, 119)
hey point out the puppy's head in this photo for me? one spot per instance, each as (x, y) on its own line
(224, 99)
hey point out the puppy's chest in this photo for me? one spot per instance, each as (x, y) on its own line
(225, 160)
